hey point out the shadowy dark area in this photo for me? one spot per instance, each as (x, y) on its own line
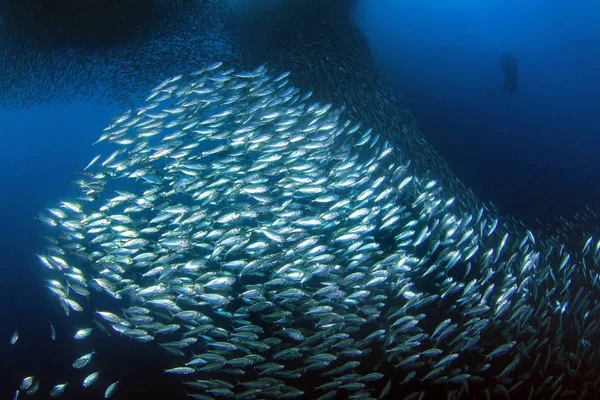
(510, 68)
(89, 22)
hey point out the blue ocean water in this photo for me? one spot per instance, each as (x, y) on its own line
(534, 154)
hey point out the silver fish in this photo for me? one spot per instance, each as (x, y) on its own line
(90, 379)
(58, 389)
(14, 337)
(110, 390)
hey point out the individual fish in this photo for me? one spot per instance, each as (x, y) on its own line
(14, 337)
(33, 389)
(72, 304)
(502, 349)
(90, 379)
(110, 390)
(82, 333)
(26, 383)
(180, 370)
(83, 360)
(92, 162)
(58, 389)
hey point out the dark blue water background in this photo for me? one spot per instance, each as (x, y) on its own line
(533, 154)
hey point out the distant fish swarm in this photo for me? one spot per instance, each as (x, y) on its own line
(277, 249)
(40, 66)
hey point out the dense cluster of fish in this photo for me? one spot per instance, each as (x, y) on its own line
(275, 248)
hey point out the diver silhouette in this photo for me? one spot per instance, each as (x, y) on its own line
(510, 68)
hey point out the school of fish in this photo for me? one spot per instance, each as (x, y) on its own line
(276, 248)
